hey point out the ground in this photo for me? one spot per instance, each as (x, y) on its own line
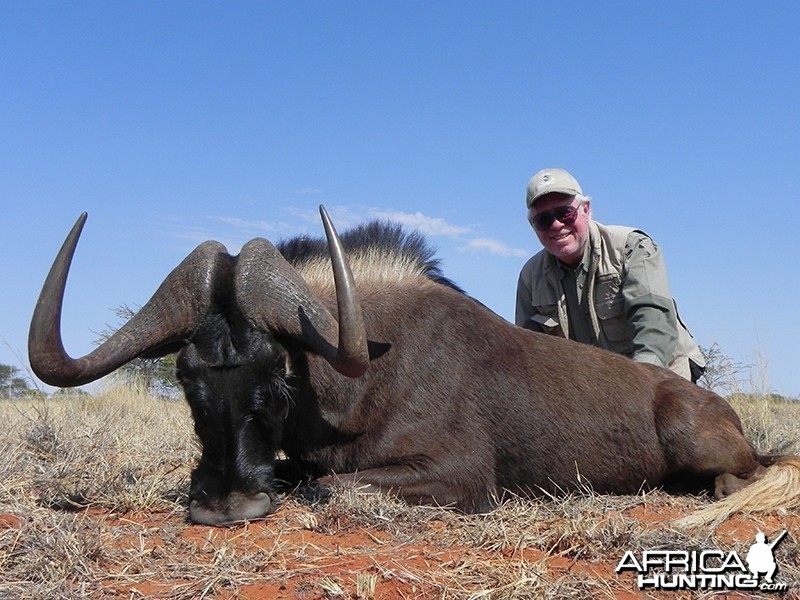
(93, 504)
(358, 547)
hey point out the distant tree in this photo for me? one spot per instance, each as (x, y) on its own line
(12, 383)
(157, 374)
(723, 375)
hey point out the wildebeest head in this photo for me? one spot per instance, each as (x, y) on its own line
(231, 318)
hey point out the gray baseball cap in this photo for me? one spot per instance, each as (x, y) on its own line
(547, 181)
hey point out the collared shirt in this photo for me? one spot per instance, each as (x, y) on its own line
(575, 283)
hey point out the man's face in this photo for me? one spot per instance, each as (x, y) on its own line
(565, 241)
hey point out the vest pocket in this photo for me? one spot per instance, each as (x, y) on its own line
(610, 308)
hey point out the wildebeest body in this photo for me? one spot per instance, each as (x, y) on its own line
(393, 377)
(461, 423)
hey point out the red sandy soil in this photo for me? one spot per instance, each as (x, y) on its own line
(290, 553)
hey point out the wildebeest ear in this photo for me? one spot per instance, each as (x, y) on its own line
(377, 349)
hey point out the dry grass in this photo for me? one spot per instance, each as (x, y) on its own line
(769, 422)
(93, 502)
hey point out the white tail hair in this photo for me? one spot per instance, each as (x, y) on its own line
(778, 488)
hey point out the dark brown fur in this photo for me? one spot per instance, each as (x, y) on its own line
(475, 406)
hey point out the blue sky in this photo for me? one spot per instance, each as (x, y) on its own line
(175, 122)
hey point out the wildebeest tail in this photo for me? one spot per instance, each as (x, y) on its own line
(778, 488)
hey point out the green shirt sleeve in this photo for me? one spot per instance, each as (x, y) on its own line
(648, 303)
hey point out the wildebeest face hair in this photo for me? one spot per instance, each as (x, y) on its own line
(239, 392)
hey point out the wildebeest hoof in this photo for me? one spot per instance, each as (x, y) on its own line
(726, 484)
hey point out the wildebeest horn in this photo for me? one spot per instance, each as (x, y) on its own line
(273, 296)
(173, 312)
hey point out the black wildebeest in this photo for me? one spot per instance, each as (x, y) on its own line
(373, 367)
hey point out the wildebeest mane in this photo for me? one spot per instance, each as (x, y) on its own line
(380, 242)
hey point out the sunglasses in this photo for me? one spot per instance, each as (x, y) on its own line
(544, 220)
